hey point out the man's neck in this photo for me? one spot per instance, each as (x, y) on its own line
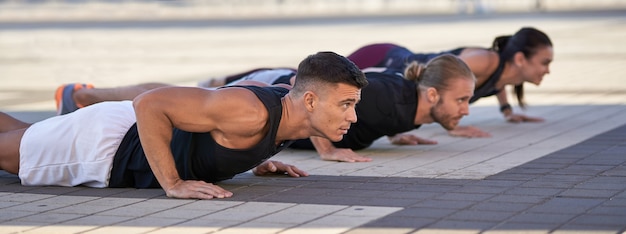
(423, 111)
(293, 123)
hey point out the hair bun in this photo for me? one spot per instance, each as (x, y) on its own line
(413, 71)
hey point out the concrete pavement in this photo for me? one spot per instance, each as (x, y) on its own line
(566, 175)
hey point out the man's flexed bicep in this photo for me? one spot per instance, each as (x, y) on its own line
(158, 112)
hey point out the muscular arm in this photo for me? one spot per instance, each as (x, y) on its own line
(189, 109)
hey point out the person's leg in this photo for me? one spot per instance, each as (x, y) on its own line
(86, 97)
(371, 55)
(11, 134)
(8, 123)
(71, 97)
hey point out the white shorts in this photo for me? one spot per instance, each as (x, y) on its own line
(76, 148)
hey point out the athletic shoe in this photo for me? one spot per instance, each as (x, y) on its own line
(65, 101)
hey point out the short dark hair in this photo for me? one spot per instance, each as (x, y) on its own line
(327, 68)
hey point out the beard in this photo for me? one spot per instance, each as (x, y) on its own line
(444, 119)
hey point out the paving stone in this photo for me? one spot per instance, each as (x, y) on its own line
(12, 215)
(9, 204)
(500, 206)
(379, 186)
(476, 215)
(431, 188)
(606, 180)
(309, 191)
(401, 222)
(180, 213)
(152, 222)
(96, 220)
(549, 184)
(393, 202)
(183, 229)
(547, 192)
(532, 171)
(603, 161)
(82, 209)
(17, 197)
(54, 228)
(572, 229)
(464, 197)
(465, 225)
(616, 202)
(37, 206)
(357, 193)
(412, 195)
(132, 211)
(589, 193)
(140, 193)
(513, 227)
(49, 218)
(545, 163)
(455, 231)
(609, 210)
(424, 212)
(119, 229)
(555, 160)
(444, 204)
(19, 226)
(201, 225)
(617, 171)
(95, 192)
(112, 201)
(379, 230)
(481, 189)
(261, 228)
(567, 205)
(542, 218)
(599, 220)
(332, 185)
(510, 176)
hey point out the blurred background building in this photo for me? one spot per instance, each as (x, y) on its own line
(36, 10)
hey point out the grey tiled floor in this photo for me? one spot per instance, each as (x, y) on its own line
(566, 175)
(579, 188)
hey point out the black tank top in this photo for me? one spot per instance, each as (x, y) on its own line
(197, 155)
(399, 57)
(489, 87)
(388, 106)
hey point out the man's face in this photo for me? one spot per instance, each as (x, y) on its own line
(453, 103)
(334, 111)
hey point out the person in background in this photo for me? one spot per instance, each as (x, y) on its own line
(512, 60)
